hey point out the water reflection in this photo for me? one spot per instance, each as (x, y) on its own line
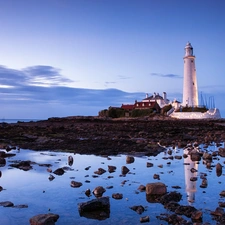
(190, 173)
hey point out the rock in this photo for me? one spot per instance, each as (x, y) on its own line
(193, 178)
(170, 197)
(0, 173)
(193, 170)
(75, 184)
(6, 204)
(222, 193)
(87, 168)
(51, 177)
(185, 210)
(100, 171)
(141, 188)
(222, 204)
(149, 164)
(138, 208)
(160, 166)
(156, 176)
(44, 219)
(195, 157)
(221, 152)
(218, 212)
(145, 219)
(219, 169)
(70, 160)
(117, 196)
(129, 159)
(196, 215)
(59, 171)
(172, 206)
(111, 169)
(98, 191)
(2, 162)
(20, 206)
(23, 165)
(95, 209)
(204, 183)
(157, 188)
(178, 157)
(169, 152)
(124, 170)
(207, 156)
(88, 192)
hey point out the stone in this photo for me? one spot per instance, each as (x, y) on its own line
(156, 176)
(6, 204)
(196, 215)
(2, 162)
(195, 157)
(185, 210)
(145, 219)
(221, 152)
(219, 169)
(124, 170)
(111, 169)
(149, 164)
(88, 192)
(138, 208)
(129, 159)
(157, 188)
(100, 171)
(23, 165)
(207, 156)
(170, 197)
(178, 157)
(98, 191)
(70, 160)
(51, 177)
(141, 188)
(222, 193)
(193, 178)
(44, 219)
(218, 212)
(59, 171)
(117, 196)
(75, 184)
(204, 183)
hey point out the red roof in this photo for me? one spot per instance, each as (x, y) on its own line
(128, 106)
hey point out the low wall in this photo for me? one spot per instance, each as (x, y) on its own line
(210, 114)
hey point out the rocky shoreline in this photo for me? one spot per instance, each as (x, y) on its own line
(105, 136)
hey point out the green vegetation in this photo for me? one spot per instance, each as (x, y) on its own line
(141, 112)
(193, 109)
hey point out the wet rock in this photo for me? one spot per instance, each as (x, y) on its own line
(98, 191)
(51, 177)
(88, 192)
(221, 152)
(222, 204)
(138, 208)
(196, 215)
(196, 157)
(109, 187)
(59, 171)
(193, 178)
(176, 187)
(2, 162)
(100, 171)
(157, 188)
(129, 159)
(170, 197)
(193, 170)
(111, 169)
(145, 219)
(1, 188)
(185, 156)
(160, 166)
(222, 193)
(218, 212)
(23, 165)
(149, 164)
(204, 183)
(219, 169)
(174, 219)
(75, 184)
(20, 206)
(6, 204)
(117, 196)
(172, 206)
(156, 176)
(67, 168)
(124, 170)
(207, 156)
(95, 209)
(169, 152)
(171, 157)
(49, 170)
(141, 188)
(70, 160)
(185, 210)
(44, 219)
(178, 157)
(87, 168)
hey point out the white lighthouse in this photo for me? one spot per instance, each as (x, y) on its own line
(190, 90)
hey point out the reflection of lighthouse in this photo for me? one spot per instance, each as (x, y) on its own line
(190, 185)
(190, 90)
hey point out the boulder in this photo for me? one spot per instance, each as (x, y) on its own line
(185, 210)
(59, 171)
(138, 208)
(170, 197)
(219, 169)
(100, 171)
(117, 196)
(75, 184)
(157, 188)
(44, 219)
(23, 165)
(196, 215)
(195, 156)
(6, 204)
(129, 159)
(98, 191)
(124, 170)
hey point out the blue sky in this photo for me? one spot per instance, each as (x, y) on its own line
(76, 57)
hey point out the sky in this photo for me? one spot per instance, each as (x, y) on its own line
(76, 57)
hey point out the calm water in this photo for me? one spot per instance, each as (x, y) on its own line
(43, 196)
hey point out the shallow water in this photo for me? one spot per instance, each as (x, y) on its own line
(57, 196)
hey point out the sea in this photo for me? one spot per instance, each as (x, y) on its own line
(17, 120)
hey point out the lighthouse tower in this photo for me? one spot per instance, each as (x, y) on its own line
(190, 90)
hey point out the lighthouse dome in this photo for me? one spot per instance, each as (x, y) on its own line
(188, 45)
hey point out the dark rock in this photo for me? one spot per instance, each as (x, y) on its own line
(222, 193)
(139, 209)
(174, 219)
(111, 169)
(170, 197)
(59, 171)
(117, 196)
(222, 204)
(149, 164)
(87, 168)
(219, 169)
(129, 159)
(88, 192)
(145, 219)
(157, 188)
(20, 206)
(176, 187)
(100, 171)
(44, 219)
(193, 170)
(185, 210)
(98, 191)
(70, 160)
(196, 157)
(207, 156)
(204, 183)
(6, 204)
(124, 170)
(193, 178)
(221, 152)
(196, 215)
(23, 165)
(178, 157)
(75, 184)
(172, 206)
(51, 177)
(218, 212)
(2, 162)
(95, 209)
(141, 188)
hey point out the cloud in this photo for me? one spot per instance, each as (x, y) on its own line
(124, 77)
(166, 75)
